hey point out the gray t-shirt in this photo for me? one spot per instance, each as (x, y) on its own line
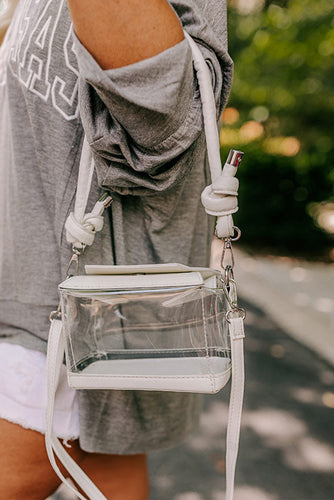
(144, 125)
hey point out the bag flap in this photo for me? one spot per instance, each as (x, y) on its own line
(206, 272)
(113, 282)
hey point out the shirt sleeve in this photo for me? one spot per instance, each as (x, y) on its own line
(143, 121)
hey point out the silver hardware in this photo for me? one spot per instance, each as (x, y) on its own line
(234, 157)
(237, 310)
(106, 199)
(55, 314)
(231, 296)
(74, 261)
(228, 292)
(78, 250)
(232, 238)
(228, 275)
(227, 255)
(238, 235)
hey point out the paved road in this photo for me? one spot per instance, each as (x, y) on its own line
(299, 295)
(287, 439)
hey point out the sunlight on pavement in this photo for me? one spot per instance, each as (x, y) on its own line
(328, 399)
(311, 396)
(306, 395)
(214, 421)
(249, 493)
(163, 481)
(277, 351)
(283, 431)
(277, 427)
(249, 264)
(191, 495)
(297, 295)
(213, 427)
(324, 304)
(309, 454)
(298, 274)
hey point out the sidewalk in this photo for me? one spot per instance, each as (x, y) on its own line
(287, 438)
(298, 295)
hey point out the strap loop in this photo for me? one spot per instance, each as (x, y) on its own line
(82, 233)
(224, 227)
(216, 204)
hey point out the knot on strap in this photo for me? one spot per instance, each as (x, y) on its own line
(83, 233)
(220, 199)
(218, 203)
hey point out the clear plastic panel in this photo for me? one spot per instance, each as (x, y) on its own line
(161, 339)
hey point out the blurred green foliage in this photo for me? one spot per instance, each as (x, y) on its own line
(280, 113)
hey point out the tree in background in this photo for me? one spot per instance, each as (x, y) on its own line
(281, 114)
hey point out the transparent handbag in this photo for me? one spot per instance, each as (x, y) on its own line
(163, 329)
(155, 327)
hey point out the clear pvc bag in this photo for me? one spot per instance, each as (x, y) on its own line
(151, 327)
(163, 331)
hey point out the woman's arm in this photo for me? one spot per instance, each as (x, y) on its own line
(143, 121)
(121, 32)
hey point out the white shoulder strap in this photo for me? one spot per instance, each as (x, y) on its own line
(219, 199)
(209, 109)
(86, 170)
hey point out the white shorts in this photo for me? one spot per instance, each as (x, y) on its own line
(23, 393)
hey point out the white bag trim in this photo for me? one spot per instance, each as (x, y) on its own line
(218, 199)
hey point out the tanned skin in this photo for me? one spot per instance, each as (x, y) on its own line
(122, 32)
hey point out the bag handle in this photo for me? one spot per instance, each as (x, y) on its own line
(219, 199)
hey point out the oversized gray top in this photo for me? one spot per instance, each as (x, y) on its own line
(144, 125)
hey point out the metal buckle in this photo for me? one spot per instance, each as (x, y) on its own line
(227, 261)
(55, 314)
(74, 260)
(237, 236)
(106, 199)
(237, 310)
(228, 275)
